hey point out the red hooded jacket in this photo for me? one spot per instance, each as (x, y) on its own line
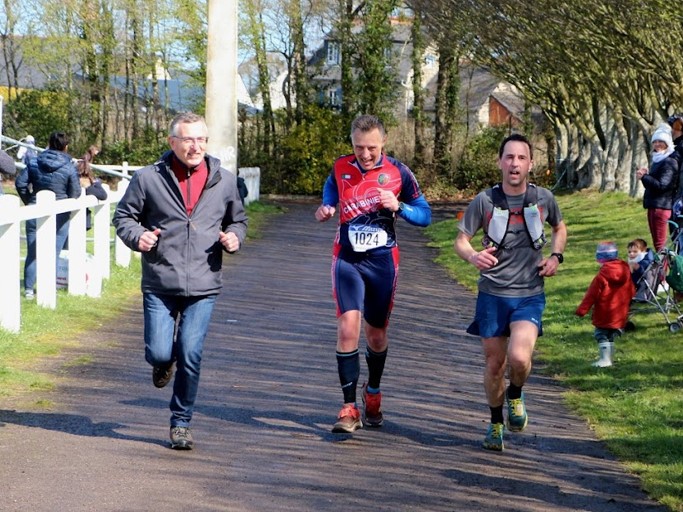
(610, 295)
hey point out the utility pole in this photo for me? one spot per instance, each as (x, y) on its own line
(221, 82)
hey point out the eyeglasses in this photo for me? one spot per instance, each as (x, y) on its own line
(188, 141)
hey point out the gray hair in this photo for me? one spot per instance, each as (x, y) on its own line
(366, 123)
(184, 118)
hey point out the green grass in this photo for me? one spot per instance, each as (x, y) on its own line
(636, 406)
(45, 333)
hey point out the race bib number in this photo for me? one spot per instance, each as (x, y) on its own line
(364, 238)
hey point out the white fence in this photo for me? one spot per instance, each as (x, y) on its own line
(85, 271)
(82, 279)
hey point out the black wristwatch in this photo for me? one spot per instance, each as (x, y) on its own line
(559, 256)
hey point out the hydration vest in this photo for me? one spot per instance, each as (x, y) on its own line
(497, 227)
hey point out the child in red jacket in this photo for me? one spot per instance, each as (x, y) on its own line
(610, 294)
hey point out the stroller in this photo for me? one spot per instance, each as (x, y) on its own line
(661, 284)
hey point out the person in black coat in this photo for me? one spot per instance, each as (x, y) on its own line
(661, 183)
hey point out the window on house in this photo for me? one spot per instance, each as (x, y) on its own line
(333, 52)
(333, 97)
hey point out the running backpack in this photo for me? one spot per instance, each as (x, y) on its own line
(496, 230)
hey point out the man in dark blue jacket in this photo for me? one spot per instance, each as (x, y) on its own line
(52, 170)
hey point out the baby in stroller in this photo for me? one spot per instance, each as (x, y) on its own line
(658, 282)
(640, 257)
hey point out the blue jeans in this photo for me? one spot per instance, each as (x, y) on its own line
(30, 263)
(175, 328)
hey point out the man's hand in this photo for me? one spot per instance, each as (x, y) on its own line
(324, 212)
(148, 240)
(388, 200)
(485, 259)
(548, 267)
(229, 240)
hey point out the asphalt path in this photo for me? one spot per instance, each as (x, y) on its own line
(269, 394)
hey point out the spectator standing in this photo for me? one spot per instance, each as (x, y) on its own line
(512, 267)
(91, 185)
(52, 170)
(372, 191)
(661, 183)
(25, 154)
(242, 187)
(182, 213)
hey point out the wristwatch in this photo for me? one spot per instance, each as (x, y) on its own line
(400, 207)
(559, 256)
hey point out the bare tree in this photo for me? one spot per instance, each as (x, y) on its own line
(255, 30)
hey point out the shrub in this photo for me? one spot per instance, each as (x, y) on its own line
(477, 169)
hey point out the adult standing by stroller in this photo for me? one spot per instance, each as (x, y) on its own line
(660, 182)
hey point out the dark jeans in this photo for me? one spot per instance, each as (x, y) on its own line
(30, 264)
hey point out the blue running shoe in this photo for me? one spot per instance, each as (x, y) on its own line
(517, 417)
(494, 437)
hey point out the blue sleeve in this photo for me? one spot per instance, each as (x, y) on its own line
(73, 185)
(417, 211)
(330, 192)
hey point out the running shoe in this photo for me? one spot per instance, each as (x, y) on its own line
(181, 438)
(372, 402)
(494, 437)
(348, 420)
(517, 417)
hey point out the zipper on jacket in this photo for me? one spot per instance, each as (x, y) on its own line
(188, 190)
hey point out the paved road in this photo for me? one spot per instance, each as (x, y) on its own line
(269, 395)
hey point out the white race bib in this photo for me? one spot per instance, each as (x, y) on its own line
(364, 238)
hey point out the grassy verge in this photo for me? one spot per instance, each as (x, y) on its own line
(45, 332)
(636, 406)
